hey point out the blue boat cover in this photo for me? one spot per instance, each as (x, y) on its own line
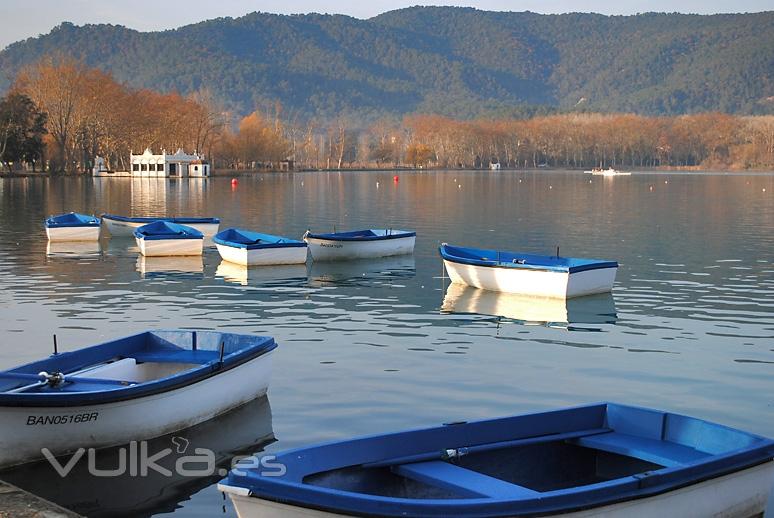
(159, 230)
(505, 259)
(150, 219)
(540, 464)
(239, 238)
(363, 235)
(199, 348)
(72, 219)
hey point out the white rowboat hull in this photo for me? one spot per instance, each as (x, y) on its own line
(738, 495)
(335, 250)
(127, 228)
(73, 233)
(263, 256)
(25, 431)
(538, 283)
(170, 247)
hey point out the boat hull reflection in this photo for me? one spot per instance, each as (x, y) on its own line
(149, 266)
(593, 309)
(73, 248)
(189, 460)
(240, 274)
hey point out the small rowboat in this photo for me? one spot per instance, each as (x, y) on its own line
(252, 249)
(598, 460)
(536, 275)
(133, 388)
(122, 226)
(607, 172)
(72, 227)
(162, 238)
(359, 244)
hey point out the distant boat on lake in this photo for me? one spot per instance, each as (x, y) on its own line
(597, 171)
(537, 275)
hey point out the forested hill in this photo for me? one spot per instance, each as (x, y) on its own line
(454, 61)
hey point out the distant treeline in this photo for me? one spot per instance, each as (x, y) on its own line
(60, 115)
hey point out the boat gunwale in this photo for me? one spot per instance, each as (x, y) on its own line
(577, 498)
(591, 264)
(261, 346)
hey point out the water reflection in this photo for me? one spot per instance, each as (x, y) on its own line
(240, 274)
(693, 298)
(243, 431)
(362, 271)
(595, 309)
(150, 266)
(73, 248)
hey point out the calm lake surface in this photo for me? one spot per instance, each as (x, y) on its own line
(369, 347)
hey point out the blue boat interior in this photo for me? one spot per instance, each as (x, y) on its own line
(159, 230)
(552, 461)
(138, 365)
(239, 238)
(364, 235)
(72, 219)
(502, 258)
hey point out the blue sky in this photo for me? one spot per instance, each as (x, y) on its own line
(20, 19)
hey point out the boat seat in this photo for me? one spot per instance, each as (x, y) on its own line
(177, 356)
(665, 453)
(463, 481)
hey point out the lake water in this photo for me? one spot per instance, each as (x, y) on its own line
(369, 347)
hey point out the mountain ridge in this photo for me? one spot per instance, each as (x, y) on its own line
(454, 61)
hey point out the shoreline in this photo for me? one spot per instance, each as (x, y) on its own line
(223, 173)
(18, 503)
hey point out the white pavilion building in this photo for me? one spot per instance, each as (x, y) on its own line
(148, 165)
(179, 165)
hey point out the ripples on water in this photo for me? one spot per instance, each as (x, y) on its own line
(368, 347)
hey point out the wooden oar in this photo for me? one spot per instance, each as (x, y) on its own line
(44, 378)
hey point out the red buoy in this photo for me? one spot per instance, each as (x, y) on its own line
(234, 181)
(395, 178)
